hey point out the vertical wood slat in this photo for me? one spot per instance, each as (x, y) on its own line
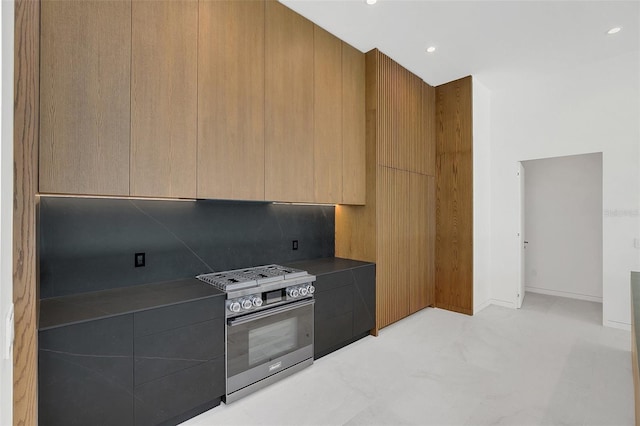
(164, 71)
(454, 197)
(85, 95)
(429, 130)
(327, 116)
(25, 186)
(231, 107)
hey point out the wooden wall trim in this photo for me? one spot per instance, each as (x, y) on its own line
(25, 149)
(454, 196)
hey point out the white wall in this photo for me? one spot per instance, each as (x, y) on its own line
(6, 208)
(563, 225)
(586, 110)
(481, 191)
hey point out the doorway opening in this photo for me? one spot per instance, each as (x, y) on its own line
(561, 227)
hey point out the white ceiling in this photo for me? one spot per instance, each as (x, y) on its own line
(492, 39)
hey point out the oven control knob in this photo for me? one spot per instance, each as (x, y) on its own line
(235, 307)
(303, 291)
(311, 289)
(293, 292)
(257, 302)
(246, 304)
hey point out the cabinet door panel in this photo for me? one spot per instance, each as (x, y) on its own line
(231, 54)
(333, 319)
(85, 373)
(85, 109)
(364, 299)
(288, 105)
(327, 112)
(353, 126)
(169, 397)
(164, 98)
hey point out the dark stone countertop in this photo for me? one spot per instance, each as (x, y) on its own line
(327, 265)
(67, 310)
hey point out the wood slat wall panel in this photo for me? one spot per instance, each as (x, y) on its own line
(231, 107)
(419, 236)
(400, 128)
(417, 153)
(454, 194)
(384, 150)
(429, 130)
(327, 116)
(353, 126)
(164, 93)
(85, 95)
(25, 186)
(431, 239)
(288, 105)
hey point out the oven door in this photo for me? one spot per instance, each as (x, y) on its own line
(267, 342)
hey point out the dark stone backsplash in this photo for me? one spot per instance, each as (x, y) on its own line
(89, 244)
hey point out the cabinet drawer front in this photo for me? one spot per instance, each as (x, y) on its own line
(160, 354)
(333, 303)
(333, 280)
(175, 316)
(163, 399)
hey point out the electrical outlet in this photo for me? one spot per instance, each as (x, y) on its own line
(294, 245)
(140, 259)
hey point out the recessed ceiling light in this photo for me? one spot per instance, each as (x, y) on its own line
(614, 30)
(371, 1)
(431, 49)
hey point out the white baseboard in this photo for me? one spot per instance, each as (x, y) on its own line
(503, 303)
(481, 306)
(617, 324)
(564, 294)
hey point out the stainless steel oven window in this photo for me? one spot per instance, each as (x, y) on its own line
(291, 327)
(271, 340)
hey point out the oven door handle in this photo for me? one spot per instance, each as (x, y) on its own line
(268, 312)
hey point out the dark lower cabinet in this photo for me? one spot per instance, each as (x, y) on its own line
(345, 308)
(179, 396)
(85, 373)
(154, 367)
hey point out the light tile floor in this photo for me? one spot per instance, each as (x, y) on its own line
(549, 363)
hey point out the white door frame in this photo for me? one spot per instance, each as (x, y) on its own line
(521, 237)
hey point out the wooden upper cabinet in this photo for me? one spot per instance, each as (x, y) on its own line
(289, 148)
(353, 126)
(327, 112)
(231, 67)
(85, 92)
(164, 98)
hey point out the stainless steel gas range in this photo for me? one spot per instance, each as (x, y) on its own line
(269, 333)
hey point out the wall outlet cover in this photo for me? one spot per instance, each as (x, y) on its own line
(140, 259)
